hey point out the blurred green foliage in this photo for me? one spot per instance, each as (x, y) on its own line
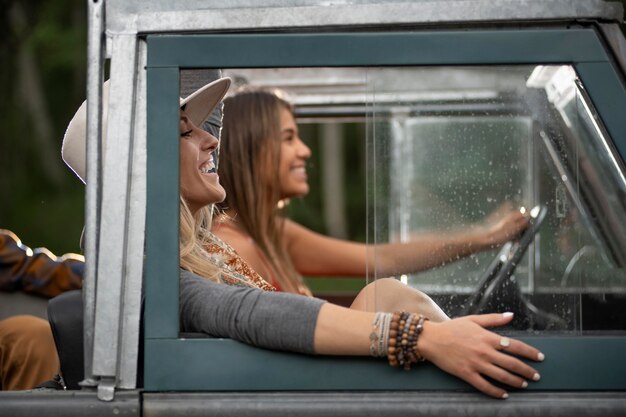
(309, 210)
(42, 79)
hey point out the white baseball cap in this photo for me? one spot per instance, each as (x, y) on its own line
(198, 107)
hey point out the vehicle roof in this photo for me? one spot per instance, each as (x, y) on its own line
(217, 15)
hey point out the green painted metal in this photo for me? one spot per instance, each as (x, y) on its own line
(582, 363)
(161, 264)
(376, 49)
(573, 363)
(224, 365)
(608, 95)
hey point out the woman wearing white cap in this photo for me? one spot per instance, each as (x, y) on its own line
(248, 310)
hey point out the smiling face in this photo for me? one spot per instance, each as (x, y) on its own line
(199, 182)
(293, 156)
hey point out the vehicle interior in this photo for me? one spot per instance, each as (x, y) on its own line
(439, 149)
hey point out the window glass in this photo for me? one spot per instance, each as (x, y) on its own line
(491, 137)
(399, 153)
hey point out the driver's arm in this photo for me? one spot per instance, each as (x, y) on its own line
(316, 254)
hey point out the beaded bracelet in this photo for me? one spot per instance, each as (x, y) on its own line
(405, 329)
(418, 330)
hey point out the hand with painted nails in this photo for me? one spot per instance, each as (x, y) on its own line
(464, 348)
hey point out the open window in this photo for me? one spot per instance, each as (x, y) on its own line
(449, 136)
(443, 149)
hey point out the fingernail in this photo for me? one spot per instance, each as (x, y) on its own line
(505, 396)
(524, 384)
(540, 356)
(507, 314)
(536, 377)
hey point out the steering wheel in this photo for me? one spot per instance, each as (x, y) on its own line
(498, 286)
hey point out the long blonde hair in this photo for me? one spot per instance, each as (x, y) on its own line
(251, 144)
(194, 233)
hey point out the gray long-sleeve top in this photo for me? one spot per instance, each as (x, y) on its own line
(270, 320)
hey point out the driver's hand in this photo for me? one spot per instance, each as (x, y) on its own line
(504, 224)
(464, 348)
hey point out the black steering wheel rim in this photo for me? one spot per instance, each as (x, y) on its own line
(504, 264)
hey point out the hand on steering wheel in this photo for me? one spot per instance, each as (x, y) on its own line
(498, 274)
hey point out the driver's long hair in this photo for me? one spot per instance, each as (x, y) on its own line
(250, 143)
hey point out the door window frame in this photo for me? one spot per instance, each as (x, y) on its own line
(573, 362)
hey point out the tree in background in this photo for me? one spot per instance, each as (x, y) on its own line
(42, 79)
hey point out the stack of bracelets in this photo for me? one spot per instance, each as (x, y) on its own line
(395, 336)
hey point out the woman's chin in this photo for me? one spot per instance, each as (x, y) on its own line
(215, 194)
(223, 197)
(218, 197)
(296, 192)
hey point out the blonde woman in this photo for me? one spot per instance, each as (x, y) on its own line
(266, 163)
(247, 309)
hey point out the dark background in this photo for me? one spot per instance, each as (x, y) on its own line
(42, 81)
